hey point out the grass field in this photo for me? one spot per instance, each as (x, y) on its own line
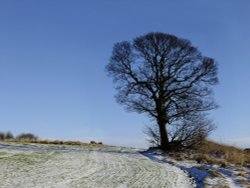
(36, 165)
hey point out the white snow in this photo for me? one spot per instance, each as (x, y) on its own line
(229, 177)
(37, 166)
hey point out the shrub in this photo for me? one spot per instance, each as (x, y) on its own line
(93, 142)
(2, 136)
(43, 142)
(9, 135)
(27, 137)
(56, 142)
(72, 143)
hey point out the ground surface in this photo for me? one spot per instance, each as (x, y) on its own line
(65, 166)
(205, 175)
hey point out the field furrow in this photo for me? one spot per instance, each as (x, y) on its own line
(86, 168)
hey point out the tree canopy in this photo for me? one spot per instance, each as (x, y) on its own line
(163, 76)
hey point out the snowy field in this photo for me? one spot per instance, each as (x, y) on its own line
(205, 175)
(33, 166)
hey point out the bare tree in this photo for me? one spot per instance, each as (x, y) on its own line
(188, 132)
(163, 76)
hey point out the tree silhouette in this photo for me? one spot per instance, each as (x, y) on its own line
(189, 132)
(163, 76)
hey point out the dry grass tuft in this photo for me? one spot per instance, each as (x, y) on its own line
(215, 174)
(215, 153)
(243, 181)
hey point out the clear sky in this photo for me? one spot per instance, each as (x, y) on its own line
(53, 54)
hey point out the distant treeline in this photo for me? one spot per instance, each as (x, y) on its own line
(31, 138)
(23, 136)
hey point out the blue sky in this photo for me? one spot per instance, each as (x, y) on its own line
(53, 54)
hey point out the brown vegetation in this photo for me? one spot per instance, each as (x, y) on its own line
(222, 154)
(211, 152)
(26, 137)
(31, 138)
(53, 142)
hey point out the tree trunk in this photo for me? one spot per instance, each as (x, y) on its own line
(162, 122)
(164, 136)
